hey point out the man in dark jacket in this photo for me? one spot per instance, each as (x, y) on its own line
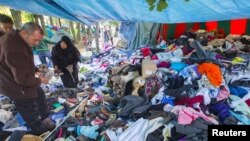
(17, 76)
(6, 24)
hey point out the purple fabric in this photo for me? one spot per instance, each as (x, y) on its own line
(222, 110)
(218, 56)
(196, 71)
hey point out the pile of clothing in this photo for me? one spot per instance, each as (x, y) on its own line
(169, 92)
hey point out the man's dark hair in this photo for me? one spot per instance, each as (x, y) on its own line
(5, 19)
(30, 27)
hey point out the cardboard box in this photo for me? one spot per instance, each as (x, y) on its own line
(148, 68)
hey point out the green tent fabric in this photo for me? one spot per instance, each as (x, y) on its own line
(145, 35)
(202, 25)
(171, 31)
(225, 25)
(248, 27)
(190, 26)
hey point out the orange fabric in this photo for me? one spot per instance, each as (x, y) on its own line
(212, 72)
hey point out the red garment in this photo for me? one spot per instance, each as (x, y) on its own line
(248, 102)
(164, 64)
(145, 51)
(190, 101)
(186, 50)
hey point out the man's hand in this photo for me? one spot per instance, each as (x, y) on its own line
(57, 72)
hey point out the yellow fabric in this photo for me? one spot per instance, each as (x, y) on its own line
(237, 60)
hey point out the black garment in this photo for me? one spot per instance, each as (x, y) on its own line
(4, 135)
(17, 135)
(156, 50)
(1, 33)
(106, 36)
(70, 80)
(65, 57)
(201, 55)
(156, 135)
(196, 131)
(130, 102)
(34, 111)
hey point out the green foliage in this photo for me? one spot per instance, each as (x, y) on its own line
(159, 4)
(151, 4)
(114, 23)
(162, 5)
(5, 10)
(27, 17)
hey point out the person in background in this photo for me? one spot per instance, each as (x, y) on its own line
(116, 31)
(65, 57)
(43, 51)
(6, 24)
(111, 35)
(106, 36)
(18, 80)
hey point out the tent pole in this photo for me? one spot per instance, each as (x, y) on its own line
(97, 37)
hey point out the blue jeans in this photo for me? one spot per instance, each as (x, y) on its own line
(43, 55)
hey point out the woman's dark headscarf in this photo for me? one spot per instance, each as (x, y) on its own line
(68, 41)
(70, 45)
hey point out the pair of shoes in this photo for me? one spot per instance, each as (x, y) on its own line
(112, 117)
(89, 117)
(46, 125)
(117, 124)
(72, 100)
(103, 113)
(97, 121)
(49, 123)
(82, 138)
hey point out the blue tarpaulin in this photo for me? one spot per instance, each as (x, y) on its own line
(43, 7)
(90, 11)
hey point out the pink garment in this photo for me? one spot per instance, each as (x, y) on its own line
(104, 65)
(187, 114)
(96, 98)
(223, 94)
(154, 57)
(186, 117)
